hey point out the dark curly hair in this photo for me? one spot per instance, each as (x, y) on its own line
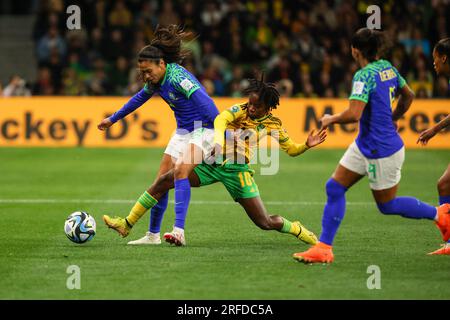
(267, 92)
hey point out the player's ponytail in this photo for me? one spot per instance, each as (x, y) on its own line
(168, 41)
(443, 48)
(372, 43)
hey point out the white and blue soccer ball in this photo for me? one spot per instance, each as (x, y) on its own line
(80, 227)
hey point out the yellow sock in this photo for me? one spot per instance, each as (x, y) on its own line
(295, 229)
(145, 202)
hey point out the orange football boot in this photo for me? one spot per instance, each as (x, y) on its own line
(445, 250)
(320, 253)
(443, 221)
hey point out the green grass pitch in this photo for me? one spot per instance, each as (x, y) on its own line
(227, 257)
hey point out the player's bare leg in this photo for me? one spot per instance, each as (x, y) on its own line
(257, 213)
(161, 186)
(150, 238)
(146, 201)
(342, 180)
(444, 184)
(386, 195)
(166, 182)
(183, 168)
(346, 177)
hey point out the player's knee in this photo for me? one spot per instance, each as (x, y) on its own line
(389, 207)
(180, 171)
(177, 169)
(443, 185)
(334, 189)
(164, 183)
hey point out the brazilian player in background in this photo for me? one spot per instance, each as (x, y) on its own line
(378, 151)
(441, 61)
(234, 128)
(159, 68)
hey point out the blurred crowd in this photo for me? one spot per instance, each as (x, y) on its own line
(303, 46)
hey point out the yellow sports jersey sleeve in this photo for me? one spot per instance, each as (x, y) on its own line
(223, 120)
(290, 147)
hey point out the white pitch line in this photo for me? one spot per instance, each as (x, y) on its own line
(196, 202)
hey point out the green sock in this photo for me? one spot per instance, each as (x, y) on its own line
(286, 226)
(289, 227)
(147, 201)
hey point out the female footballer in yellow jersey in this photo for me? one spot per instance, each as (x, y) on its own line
(236, 175)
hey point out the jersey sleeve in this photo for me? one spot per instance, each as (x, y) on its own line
(288, 145)
(401, 80)
(362, 86)
(135, 102)
(185, 84)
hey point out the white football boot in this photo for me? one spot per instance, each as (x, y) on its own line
(149, 238)
(175, 237)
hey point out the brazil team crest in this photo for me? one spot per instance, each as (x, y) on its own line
(172, 96)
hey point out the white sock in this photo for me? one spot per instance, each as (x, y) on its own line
(178, 230)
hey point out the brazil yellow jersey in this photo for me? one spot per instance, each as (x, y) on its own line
(234, 128)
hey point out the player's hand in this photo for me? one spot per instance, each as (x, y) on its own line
(105, 124)
(325, 121)
(425, 136)
(316, 139)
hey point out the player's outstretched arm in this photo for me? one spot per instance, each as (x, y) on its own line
(431, 132)
(352, 114)
(135, 102)
(295, 149)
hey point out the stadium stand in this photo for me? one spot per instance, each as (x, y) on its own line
(302, 45)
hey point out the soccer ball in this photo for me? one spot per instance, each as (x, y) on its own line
(80, 227)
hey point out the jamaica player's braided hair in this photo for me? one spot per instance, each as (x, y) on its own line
(267, 93)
